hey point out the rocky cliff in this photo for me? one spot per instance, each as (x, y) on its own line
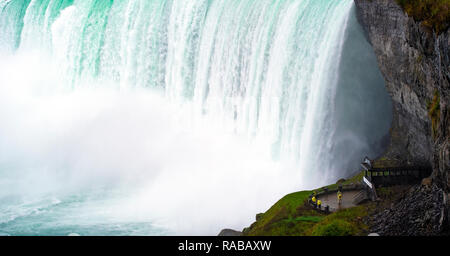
(421, 211)
(415, 62)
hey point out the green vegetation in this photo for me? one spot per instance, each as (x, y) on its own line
(289, 216)
(292, 216)
(334, 228)
(434, 110)
(309, 218)
(346, 222)
(434, 14)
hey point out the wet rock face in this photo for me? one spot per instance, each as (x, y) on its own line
(415, 63)
(422, 211)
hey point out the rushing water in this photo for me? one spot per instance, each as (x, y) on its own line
(154, 117)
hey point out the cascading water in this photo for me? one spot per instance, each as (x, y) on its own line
(176, 117)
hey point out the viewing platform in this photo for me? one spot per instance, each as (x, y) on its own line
(352, 195)
(391, 176)
(355, 194)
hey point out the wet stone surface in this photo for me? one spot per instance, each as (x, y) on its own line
(421, 211)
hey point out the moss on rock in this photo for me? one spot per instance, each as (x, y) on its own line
(434, 14)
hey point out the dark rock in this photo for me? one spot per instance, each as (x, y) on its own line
(229, 232)
(415, 64)
(421, 212)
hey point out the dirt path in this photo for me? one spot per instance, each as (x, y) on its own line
(331, 200)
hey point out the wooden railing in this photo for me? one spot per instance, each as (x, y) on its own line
(397, 175)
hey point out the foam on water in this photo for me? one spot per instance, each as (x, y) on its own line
(171, 117)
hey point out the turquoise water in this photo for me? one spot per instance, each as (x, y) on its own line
(65, 215)
(157, 117)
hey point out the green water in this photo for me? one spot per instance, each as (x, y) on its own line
(156, 117)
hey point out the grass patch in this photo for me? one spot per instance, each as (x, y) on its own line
(346, 222)
(289, 216)
(434, 14)
(334, 228)
(309, 218)
(292, 216)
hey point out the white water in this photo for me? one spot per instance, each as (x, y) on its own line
(156, 164)
(163, 117)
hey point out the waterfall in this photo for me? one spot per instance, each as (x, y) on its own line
(265, 72)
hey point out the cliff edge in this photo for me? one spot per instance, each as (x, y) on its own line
(413, 56)
(415, 62)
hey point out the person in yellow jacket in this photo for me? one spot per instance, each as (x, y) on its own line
(314, 201)
(319, 204)
(339, 195)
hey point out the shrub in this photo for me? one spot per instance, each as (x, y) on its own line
(434, 14)
(336, 227)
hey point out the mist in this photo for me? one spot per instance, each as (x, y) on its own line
(157, 117)
(159, 166)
